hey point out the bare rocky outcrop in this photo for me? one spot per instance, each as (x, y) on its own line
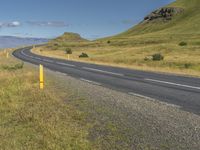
(165, 14)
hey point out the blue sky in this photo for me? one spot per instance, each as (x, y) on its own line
(90, 18)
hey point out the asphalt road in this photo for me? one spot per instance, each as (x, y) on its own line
(178, 91)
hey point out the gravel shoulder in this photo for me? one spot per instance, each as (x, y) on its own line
(121, 121)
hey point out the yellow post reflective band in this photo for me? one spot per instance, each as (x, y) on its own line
(41, 77)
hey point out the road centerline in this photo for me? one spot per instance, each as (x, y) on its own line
(171, 83)
(89, 81)
(184, 99)
(102, 71)
(22, 52)
(64, 64)
(46, 60)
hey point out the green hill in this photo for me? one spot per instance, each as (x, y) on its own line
(184, 22)
(69, 37)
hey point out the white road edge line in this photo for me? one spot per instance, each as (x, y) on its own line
(171, 83)
(89, 81)
(108, 72)
(64, 64)
(62, 73)
(46, 60)
(141, 96)
(37, 58)
(154, 100)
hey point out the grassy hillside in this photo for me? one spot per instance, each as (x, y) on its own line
(177, 39)
(187, 22)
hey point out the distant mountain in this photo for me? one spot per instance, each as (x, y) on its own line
(12, 41)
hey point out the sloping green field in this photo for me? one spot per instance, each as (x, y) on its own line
(187, 22)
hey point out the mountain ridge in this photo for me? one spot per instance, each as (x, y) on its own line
(14, 41)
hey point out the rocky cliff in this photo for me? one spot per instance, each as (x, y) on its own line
(165, 14)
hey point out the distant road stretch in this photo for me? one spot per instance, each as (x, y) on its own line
(178, 91)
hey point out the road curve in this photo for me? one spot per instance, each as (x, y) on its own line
(178, 91)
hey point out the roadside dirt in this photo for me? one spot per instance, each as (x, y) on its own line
(122, 121)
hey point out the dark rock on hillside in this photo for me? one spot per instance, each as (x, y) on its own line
(165, 14)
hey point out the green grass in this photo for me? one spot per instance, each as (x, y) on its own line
(185, 23)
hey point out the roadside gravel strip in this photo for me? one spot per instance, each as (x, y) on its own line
(127, 121)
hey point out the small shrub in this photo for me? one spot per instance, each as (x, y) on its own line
(15, 67)
(182, 44)
(68, 51)
(157, 57)
(83, 55)
(109, 42)
(197, 43)
(187, 65)
(19, 66)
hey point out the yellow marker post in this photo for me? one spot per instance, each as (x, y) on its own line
(68, 56)
(41, 77)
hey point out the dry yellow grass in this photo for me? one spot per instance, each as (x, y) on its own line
(35, 119)
(178, 60)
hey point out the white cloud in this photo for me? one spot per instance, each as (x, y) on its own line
(10, 24)
(15, 23)
(48, 23)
